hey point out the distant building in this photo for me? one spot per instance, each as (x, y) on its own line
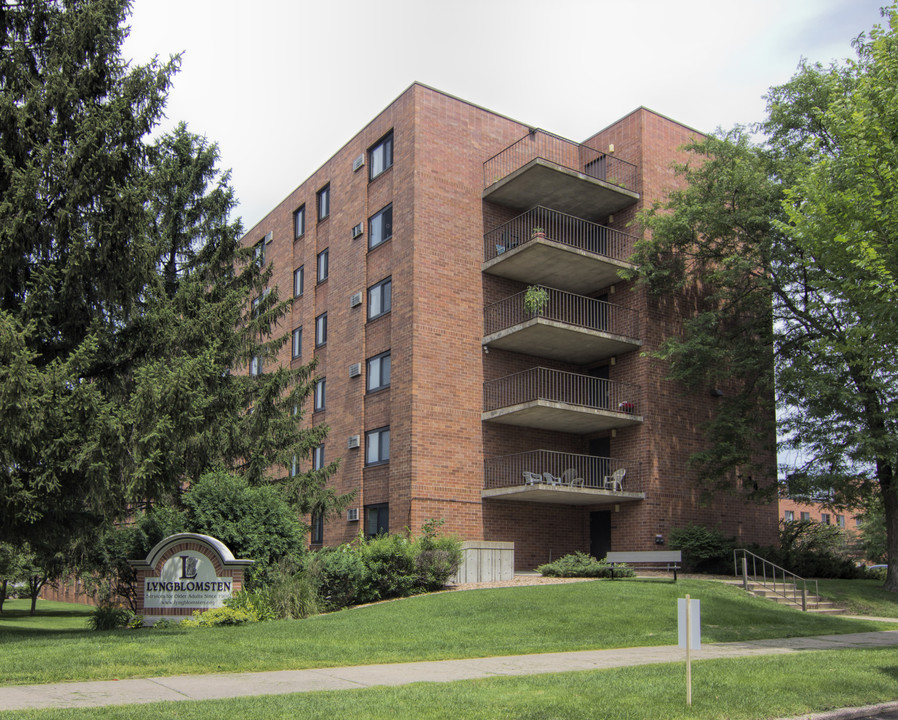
(453, 393)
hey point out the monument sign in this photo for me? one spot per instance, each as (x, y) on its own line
(185, 573)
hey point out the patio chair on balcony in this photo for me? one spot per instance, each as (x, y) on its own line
(551, 479)
(532, 478)
(571, 477)
(614, 480)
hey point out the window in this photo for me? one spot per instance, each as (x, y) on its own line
(377, 519)
(857, 522)
(259, 250)
(377, 446)
(318, 457)
(380, 227)
(324, 202)
(255, 366)
(299, 280)
(321, 330)
(824, 518)
(319, 394)
(840, 520)
(380, 298)
(297, 342)
(789, 515)
(380, 156)
(322, 265)
(299, 222)
(317, 537)
(806, 516)
(294, 468)
(377, 372)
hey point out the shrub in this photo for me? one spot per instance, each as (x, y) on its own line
(293, 593)
(218, 616)
(705, 550)
(436, 557)
(812, 549)
(254, 522)
(342, 577)
(579, 564)
(109, 617)
(256, 603)
(392, 570)
(163, 624)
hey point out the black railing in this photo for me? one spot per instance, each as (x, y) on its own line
(567, 154)
(541, 383)
(558, 227)
(547, 467)
(563, 307)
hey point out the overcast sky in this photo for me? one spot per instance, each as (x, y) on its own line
(282, 85)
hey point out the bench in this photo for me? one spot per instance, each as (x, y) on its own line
(667, 560)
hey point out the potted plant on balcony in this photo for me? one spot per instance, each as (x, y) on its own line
(538, 233)
(535, 300)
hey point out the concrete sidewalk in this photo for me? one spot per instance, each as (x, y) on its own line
(204, 687)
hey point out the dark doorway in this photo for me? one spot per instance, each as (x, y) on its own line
(598, 389)
(599, 533)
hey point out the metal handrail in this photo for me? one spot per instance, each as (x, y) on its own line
(562, 307)
(768, 578)
(557, 227)
(589, 471)
(560, 386)
(560, 151)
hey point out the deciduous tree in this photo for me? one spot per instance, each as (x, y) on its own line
(790, 248)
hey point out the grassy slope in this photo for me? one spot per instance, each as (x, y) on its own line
(449, 625)
(861, 597)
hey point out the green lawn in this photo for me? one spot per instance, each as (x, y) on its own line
(737, 689)
(861, 597)
(548, 618)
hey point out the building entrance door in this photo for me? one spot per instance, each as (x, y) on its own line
(599, 533)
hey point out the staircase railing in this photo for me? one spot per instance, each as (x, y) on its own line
(753, 568)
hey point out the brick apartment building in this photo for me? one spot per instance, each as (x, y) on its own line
(409, 254)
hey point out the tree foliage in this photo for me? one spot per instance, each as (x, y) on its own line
(788, 248)
(126, 301)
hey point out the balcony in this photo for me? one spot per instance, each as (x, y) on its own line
(571, 328)
(563, 401)
(551, 248)
(512, 477)
(544, 169)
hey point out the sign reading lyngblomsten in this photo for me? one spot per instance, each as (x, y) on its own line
(187, 580)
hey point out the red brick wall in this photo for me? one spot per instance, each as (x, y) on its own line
(434, 333)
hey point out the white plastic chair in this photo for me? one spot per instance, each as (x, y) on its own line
(614, 480)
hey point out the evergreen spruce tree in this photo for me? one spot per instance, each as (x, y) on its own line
(126, 302)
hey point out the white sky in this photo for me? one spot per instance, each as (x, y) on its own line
(281, 85)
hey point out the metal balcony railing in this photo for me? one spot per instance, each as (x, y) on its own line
(561, 228)
(563, 307)
(566, 153)
(541, 383)
(509, 470)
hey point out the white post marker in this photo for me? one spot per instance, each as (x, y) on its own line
(689, 635)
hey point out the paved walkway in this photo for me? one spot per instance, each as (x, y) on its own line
(204, 687)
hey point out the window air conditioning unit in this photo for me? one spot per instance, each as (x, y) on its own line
(356, 231)
(352, 515)
(355, 370)
(358, 162)
(355, 300)
(354, 441)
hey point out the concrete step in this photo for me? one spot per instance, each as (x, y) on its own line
(791, 599)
